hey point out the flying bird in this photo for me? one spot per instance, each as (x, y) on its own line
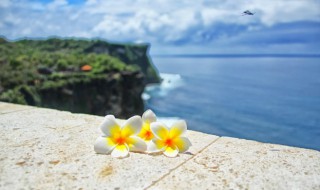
(247, 12)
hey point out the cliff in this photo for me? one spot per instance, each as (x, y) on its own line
(131, 54)
(81, 76)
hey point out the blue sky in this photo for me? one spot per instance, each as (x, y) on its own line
(172, 27)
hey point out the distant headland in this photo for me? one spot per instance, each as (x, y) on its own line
(84, 76)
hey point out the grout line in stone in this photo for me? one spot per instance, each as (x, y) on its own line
(173, 169)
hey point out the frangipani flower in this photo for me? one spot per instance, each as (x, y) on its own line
(120, 140)
(170, 140)
(147, 118)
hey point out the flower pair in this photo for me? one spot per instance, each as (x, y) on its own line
(141, 135)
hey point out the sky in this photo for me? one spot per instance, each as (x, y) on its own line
(172, 26)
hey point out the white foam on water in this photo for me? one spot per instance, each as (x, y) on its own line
(145, 96)
(168, 83)
(168, 121)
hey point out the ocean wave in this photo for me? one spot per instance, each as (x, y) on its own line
(169, 82)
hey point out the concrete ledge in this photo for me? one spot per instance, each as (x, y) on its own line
(7, 107)
(232, 163)
(50, 149)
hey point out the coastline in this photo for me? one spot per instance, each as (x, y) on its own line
(272, 100)
(49, 73)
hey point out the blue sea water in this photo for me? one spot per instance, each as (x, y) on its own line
(274, 100)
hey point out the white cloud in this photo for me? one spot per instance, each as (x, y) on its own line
(174, 20)
(157, 21)
(56, 4)
(287, 11)
(5, 3)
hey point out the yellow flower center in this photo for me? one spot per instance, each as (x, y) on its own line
(146, 133)
(121, 140)
(169, 142)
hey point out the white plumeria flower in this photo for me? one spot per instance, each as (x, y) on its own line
(146, 134)
(119, 140)
(170, 140)
(147, 118)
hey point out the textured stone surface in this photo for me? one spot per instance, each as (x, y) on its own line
(231, 163)
(8, 107)
(48, 149)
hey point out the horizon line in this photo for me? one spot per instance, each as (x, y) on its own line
(260, 55)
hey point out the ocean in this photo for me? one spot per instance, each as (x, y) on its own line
(268, 99)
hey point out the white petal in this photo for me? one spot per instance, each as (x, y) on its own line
(178, 128)
(153, 148)
(132, 126)
(149, 117)
(103, 145)
(136, 144)
(120, 151)
(159, 130)
(109, 125)
(183, 144)
(171, 151)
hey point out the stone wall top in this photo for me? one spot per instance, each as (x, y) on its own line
(50, 149)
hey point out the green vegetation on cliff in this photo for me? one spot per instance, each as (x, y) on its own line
(94, 77)
(130, 54)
